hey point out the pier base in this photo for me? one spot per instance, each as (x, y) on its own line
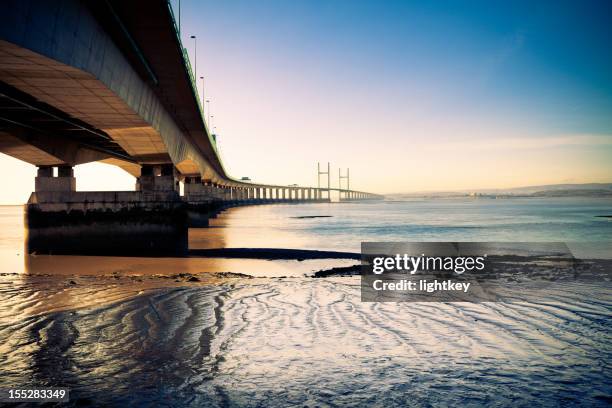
(107, 223)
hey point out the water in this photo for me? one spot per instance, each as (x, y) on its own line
(484, 220)
(118, 333)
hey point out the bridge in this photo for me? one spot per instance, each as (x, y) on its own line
(110, 81)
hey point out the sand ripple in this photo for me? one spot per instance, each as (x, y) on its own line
(278, 342)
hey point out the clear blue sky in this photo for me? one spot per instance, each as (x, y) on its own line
(409, 95)
(342, 78)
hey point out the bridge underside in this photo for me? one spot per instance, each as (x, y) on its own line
(115, 67)
(51, 101)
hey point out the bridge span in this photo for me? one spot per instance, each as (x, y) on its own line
(110, 81)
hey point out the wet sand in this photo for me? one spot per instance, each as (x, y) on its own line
(61, 282)
(305, 341)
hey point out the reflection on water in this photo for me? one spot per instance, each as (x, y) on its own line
(223, 232)
(99, 265)
(347, 225)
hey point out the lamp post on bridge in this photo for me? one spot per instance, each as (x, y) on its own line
(208, 110)
(203, 99)
(195, 56)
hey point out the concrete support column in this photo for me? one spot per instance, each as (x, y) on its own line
(197, 191)
(221, 193)
(44, 171)
(64, 181)
(158, 177)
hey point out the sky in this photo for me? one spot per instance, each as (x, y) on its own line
(411, 96)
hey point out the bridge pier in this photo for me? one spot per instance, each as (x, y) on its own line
(45, 181)
(150, 221)
(162, 177)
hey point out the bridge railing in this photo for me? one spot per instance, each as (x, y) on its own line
(192, 79)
